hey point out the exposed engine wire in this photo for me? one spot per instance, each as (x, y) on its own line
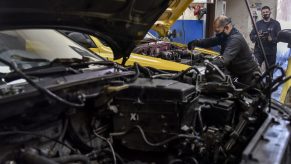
(109, 144)
(137, 74)
(264, 75)
(157, 143)
(117, 156)
(64, 130)
(40, 88)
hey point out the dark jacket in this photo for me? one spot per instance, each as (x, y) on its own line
(271, 28)
(237, 57)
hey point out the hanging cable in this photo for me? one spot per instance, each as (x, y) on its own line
(40, 88)
(178, 136)
(109, 144)
(137, 74)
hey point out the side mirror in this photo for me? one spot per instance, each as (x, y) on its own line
(82, 39)
(285, 36)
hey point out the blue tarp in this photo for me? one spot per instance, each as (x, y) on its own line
(188, 30)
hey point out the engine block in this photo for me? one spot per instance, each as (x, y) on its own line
(157, 106)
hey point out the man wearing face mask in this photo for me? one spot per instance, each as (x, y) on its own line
(235, 52)
(268, 29)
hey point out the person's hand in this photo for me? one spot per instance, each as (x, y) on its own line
(218, 61)
(264, 36)
(270, 39)
(261, 35)
(192, 44)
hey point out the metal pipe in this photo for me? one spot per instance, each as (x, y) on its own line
(257, 32)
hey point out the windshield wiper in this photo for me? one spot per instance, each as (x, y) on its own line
(84, 63)
(26, 59)
(63, 61)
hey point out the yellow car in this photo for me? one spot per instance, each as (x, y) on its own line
(162, 26)
(100, 48)
(143, 60)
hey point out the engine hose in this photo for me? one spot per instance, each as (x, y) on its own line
(200, 120)
(137, 74)
(265, 74)
(237, 132)
(73, 158)
(186, 71)
(145, 70)
(275, 87)
(30, 158)
(158, 71)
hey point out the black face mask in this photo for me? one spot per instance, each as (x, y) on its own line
(222, 35)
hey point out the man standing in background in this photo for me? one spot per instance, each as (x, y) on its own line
(268, 29)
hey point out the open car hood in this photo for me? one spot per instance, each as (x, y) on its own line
(122, 23)
(169, 17)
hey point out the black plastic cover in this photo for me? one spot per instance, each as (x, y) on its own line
(157, 89)
(159, 107)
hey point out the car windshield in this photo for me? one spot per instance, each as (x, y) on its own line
(38, 47)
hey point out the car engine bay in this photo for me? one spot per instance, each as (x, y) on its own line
(135, 115)
(63, 104)
(170, 51)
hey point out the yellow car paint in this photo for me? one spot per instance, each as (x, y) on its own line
(286, 91)
(201, 50)
(143, 60)
(169, 17)
(162, 26)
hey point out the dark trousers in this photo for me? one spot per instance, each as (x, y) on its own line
(250, 77)
(270, 54)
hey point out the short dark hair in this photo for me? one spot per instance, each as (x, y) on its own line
(225, 21)
(266, 7)
(222, 20)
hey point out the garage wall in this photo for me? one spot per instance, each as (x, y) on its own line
(283, 10)
(188, 27)
(220, 7)
(237, 10)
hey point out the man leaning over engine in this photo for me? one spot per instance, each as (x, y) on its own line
(235, 52)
